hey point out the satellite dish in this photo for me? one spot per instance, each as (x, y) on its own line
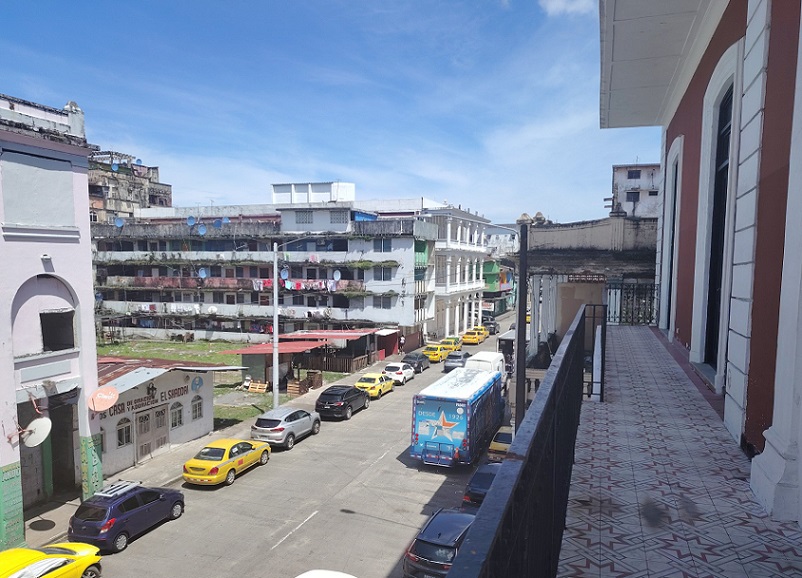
(212, 310)
(337, 276)
(201, 229)
(218, 223)
(36, 432)
(202, 273)
(103, 398)
(191, 221)
(285, 274)
(226, 220)
(115, 167)
(119, 222)
(139, 161)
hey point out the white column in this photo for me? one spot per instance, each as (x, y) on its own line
(448, 231)
(448, 274)
(465, 316)
(455, 328)
(447, 326)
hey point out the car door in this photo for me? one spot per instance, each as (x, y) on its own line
(386, 384)
(133, 516)
(356, 397)
(155, 508)
(302, 423)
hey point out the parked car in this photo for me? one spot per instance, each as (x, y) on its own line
(400, 373)
(341, 401)
(452, 343)
(435, 352)
(61, 560)
(221, 461)
(483, 329)
(491, 325)
(324, 574)
(417, 360)
(500, 443)
(479, 484)
(285, 425)
(436, 545)
(376, 384)
(121, 511)
(473, 337)
(455, 359)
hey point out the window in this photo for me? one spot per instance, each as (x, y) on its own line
(303, 218)
(382, 273)
(382, 302)
(633, 196)
(382, 245)
(161, 418)
(633, 174)
(338, 217)
(149, 496)
(297, 299)
(92, 217)
(197, 407)
(57, 330)
(652, 193)
(176, 415)
(124, 432)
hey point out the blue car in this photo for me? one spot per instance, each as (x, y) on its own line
(121, 511)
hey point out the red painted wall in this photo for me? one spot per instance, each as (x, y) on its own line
(771, 207)
(688, 122)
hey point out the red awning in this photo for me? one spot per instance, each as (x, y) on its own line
(283, 347)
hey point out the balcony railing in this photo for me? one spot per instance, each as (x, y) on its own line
(233, 284)
(518, 529)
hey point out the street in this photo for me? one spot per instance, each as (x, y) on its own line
(348, 499)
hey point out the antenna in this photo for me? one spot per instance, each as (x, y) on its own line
(201, 229)
(336, 275)
(36, 432)
(217, 224)
(191, 221)
(202, 273)
(103, 398)
(119, 222)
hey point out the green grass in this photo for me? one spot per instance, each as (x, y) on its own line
(228, 415)
(204, 351)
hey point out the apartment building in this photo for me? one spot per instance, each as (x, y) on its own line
(636, 190)
(207, 273)
(48, 361)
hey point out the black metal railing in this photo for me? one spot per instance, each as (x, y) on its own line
(595, 345)
(632, 303)
(518, 529)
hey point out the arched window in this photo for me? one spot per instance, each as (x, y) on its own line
(197, 407)
(124, 432)
(176, 415)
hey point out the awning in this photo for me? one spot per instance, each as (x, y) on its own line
(283, 347)
(384, 332)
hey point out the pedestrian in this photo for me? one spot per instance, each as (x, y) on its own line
(401, 343)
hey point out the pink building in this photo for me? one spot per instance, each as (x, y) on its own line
(48, 358)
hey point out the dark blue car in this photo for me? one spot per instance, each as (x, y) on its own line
(120, 511)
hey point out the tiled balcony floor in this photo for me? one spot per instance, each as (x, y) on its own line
(659, 487)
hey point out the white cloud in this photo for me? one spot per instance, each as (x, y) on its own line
(557, 7)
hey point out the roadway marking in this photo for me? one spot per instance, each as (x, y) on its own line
(277, 544)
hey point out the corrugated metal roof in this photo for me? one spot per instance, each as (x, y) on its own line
(283, 347)
(126, 372)
(344, 334)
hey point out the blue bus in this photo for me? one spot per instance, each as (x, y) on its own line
(454, 419)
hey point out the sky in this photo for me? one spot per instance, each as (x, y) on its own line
(490, 105)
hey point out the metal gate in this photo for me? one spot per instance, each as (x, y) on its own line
(151, 431)
(632, 303)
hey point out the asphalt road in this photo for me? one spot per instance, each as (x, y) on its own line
(348, 499)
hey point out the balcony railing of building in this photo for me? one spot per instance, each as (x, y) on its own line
(233, 284)
(518, 530)
(632, 303)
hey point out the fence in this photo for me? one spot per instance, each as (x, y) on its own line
(518, 530)
(632, 303)
(337, 363)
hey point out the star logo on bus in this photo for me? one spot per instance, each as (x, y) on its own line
(442, 427)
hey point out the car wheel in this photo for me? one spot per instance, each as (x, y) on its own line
(403, 381)
(367, 402)
(315, 428)
(379, 395)
(120, 542)
(91, 572)
(230, 476)
(289, 443)
(349, 412)
(264, 457)
(176, 510)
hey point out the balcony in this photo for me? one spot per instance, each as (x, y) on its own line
(460, 246)
(658, 485)
(457, 288)
(231, 284)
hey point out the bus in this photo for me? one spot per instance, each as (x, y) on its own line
(454, 418)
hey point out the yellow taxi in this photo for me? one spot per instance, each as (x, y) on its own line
(473, 337)
(500, 444)
(483, 329)
(376, 384)
(529, 317)
(436, 352)
(62, 560)
(221, 461)
(452, 343)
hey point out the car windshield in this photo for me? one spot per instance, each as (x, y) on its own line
(434, 552)
(455, 356)
(211, 454)
(430, 348)
(366, 380)
(392, 368)
(329, 397)
(267, 423)
(503, 437)
(90, 513)
(482, 480)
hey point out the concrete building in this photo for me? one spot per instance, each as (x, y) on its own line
(208, 273)
(120, 184)
(723, 81)
(636, 190)
(46, 297)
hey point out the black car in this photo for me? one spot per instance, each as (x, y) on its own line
(455, 359)
(120, 511)
(477, 488)
(491, 325)
(418, 361)
(341, 401)
(436, 546)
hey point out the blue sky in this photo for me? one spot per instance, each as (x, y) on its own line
(489, 104)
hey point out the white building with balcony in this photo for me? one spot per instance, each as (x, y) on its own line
(48, 357)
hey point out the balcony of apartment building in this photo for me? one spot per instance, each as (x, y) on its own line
(461, 246)
(641, 478)
(231, 258)
(250, 284)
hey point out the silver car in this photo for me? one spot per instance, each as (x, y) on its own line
(285, 425)
(455, 359)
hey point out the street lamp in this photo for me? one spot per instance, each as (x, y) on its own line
(275, 326)
(524, 221)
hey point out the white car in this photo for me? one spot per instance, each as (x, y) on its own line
(399, 372)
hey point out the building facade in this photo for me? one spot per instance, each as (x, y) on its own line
(636, 190)
(729, 104)
(46, 298)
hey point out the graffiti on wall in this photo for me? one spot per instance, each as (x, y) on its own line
(12, 526)
(91, 466)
